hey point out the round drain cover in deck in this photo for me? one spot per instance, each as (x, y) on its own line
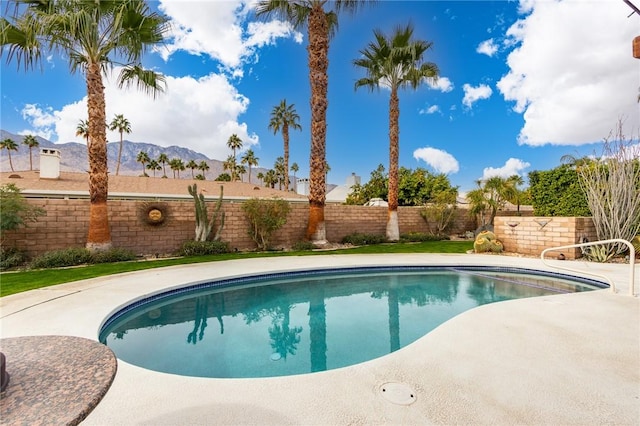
(398, 393)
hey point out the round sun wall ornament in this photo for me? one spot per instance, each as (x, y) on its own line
(153, 214)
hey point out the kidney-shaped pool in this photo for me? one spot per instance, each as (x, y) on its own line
(306, 321)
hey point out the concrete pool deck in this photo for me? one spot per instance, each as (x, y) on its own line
(561, 359)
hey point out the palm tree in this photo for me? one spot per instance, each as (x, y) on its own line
(241, 170)
(9, 145)
(191, 164)
(176, 165)
(83, 130)
(203, 166)
(143, 158)
(163, 159)
(234, 143)
(280, 170)
(295, 168)
(249, 158)
(91, 35)
(395, 62)
(122, 125)
(321, 26)
(231, 165)
(154, 165)
(270, 178)
(260, 177)
(283, 117)
(31, 142)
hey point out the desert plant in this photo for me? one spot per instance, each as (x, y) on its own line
(303, 246)
(202, 248)
(60, 258)
(612, 187)
(439, 214)
(204, 225)
(420, 237)
(486, 241)
(16, 212)
(11, 257)
(360, 239)
(113, 255)
(265, 217)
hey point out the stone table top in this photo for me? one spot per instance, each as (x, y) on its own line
(54, 379)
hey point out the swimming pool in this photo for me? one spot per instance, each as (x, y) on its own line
(301, 322)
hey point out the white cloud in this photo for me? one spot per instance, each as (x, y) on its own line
(487, 47)
(199, 114)
(215, 29)
(572, 74)
(474, 94)
(443, 84)
(441, 161)
(430, 110)
(513, 166)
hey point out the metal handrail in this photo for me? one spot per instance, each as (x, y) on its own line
(632, 259)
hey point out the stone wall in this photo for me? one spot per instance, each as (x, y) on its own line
(67, 220)
(531, 235)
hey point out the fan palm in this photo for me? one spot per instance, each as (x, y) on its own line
(203, 166)
(163, 159)
(395, 62)
(295, 168)
(93, 36)
(283, 117)
(9, 145)
(143, 158)
(122, 125)
(321, 26)
(234, 143)
(249, 158)
(154, 166)
(31, 142)
(191, 164)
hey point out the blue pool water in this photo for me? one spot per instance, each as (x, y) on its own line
(302, 322)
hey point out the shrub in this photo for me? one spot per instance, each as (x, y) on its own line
(421, 237)
(265, 217)
(113, 255)
(59, 258)
(16, 212)
(11, 257)
(359, 239)
(202, 248)
(303, 246)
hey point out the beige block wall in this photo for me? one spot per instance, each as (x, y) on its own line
(531, 235)
(67, 221)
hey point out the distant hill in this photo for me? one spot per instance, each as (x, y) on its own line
(73, 157)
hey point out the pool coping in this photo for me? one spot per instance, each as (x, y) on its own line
(583, 364)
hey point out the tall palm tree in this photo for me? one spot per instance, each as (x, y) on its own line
(143, 158)
(191, 164)
(241, 170)
(83, 130)
(321, 26)
(9, 145)
(154, 166)
(281, 171)
(231, 165)
(249, 158)
(92, 35)
(31, 142)
(203, 166)
(234, 143)
(283, 117)
(260, 177)
(177, 165)
(122, 125)
(163, 159)
(295, 169)
(395, 62)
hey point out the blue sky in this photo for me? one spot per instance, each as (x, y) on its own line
(522, 83)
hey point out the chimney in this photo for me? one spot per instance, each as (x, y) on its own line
(49, 163)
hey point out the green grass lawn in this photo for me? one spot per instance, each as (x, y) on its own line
(16, 282)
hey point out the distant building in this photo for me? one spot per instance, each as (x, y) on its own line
(339, 193)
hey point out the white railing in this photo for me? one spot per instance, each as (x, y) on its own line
(632, 259)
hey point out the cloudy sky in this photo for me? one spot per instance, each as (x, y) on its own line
(521, 84)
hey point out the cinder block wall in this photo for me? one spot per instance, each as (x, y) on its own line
(67, 221)
(531, 235)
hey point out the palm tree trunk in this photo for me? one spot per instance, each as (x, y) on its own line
(119, 155)
(393, 231)
(318, 64)
(285, 137)
(30, 159)
(99, 237)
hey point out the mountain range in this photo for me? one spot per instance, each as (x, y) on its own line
(73, 157)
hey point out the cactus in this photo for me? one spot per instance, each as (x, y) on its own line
(486, 241)
(481, 245)
(488, 235)
(496, 246)
(204, 225)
